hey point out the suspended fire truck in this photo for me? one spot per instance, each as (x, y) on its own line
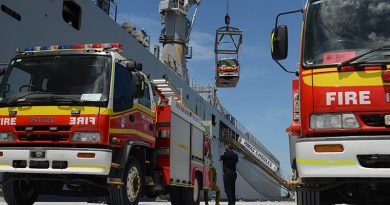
(339, 137)
(83, 117)
(228, 41)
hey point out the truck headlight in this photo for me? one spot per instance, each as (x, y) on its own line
(334, 121)
(349, 121)
(86, 137)
(7, 137)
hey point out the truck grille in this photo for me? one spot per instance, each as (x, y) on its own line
(43, 128)
(21, 164)
(374, 120)
(43, 137)
(374, 161)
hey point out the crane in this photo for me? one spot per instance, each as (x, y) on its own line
(175, 35)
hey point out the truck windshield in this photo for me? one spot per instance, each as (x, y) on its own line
(57, 79)
(228, 62)
(339, 30)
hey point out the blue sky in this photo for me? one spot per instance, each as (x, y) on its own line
(262, 99)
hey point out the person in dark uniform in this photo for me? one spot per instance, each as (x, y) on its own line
(229, 159)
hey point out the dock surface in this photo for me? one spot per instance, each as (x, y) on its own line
(165, 203)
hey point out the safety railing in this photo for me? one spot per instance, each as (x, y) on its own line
(108, 6)
(180, 5)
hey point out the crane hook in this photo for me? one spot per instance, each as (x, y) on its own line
(227, 20)
(227, 17)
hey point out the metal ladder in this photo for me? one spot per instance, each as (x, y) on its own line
(166, 90)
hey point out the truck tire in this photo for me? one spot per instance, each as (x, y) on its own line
(187, 195)
(175, 195)
(181, 195)
(19, 192)
(305, 196)
(197, 190)
(130, 192)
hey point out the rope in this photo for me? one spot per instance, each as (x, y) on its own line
(227, 7)
(227, 17)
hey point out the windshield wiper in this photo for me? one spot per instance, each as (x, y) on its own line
(58, 98)
(22, 99)
(349, 62)
(49, 96)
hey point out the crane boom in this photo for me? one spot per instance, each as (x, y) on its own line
(175, 35)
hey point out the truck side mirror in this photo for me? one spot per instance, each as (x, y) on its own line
(279, 43)
(138, 66)
(138, 85)
(131, 65)
(3, 70)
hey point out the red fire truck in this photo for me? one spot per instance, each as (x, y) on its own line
(81, 120)
(340, 134)
(227, 74)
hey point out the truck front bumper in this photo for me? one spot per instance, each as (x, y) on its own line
(346, 164)
(228, 74)
(55, 161)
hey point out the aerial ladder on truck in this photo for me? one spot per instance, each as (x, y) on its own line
(181, 134)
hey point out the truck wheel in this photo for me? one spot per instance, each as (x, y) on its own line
(187, 196)
(310, 197)
(19, 192)
(131, 191)
(196, 190)
(175, 195)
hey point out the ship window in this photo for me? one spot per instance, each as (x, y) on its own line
(71, 14)
(11, 12)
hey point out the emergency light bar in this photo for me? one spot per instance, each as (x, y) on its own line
(117, 46)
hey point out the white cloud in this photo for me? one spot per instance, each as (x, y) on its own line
(202, 46)
(149, 24)
(201, 42)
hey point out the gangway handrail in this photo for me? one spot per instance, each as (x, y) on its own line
(260, 164)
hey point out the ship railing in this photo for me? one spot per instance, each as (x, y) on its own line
(175, 66)
(181, 5)
(212, 98)
(246, 134)
(109, 7)
(276, 175)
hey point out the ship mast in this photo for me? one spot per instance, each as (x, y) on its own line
(175, 35)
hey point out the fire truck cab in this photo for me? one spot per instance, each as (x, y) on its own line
(227, 72)
(339, 135)
(83, 117)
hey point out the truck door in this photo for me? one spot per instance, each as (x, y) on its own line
(147, 115)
